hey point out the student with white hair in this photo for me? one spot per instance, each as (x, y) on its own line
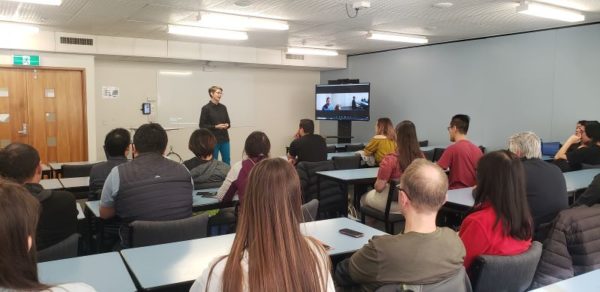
(546, 187)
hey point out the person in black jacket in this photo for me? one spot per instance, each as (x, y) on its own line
(58, 219)
(591, 195)
(546, 186)
(215, 118)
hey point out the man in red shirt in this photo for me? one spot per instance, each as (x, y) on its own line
(462, 156)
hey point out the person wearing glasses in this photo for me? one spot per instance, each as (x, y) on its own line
(394, 258)
(215, 118)
(461, 157)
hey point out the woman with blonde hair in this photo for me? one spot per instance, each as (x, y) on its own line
(384, 141)
(269, 253)
(18, 267)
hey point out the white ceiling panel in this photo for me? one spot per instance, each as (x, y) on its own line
(313, 23)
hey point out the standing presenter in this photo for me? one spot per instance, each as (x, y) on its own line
(214, 117)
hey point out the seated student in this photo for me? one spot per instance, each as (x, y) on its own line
(257, 148)
(462, 156)
(501, 223)
(591, 195)
(58, 219)
(393, 164)
(150, 187)
(308, 146)
(590, 154)
(579, 129)
(18, 267)
(384, 141)
(546, 186)
(116, 148)
(424, 253)
(206, 171)
(269, 252)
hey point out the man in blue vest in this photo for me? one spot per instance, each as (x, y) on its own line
(150, 187)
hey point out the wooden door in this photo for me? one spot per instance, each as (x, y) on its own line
(13, 107)
(53, 110)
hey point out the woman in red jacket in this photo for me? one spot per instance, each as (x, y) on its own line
(500, 223)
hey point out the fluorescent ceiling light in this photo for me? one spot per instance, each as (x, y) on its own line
(549, 11)
(397, 37)
(207, 32)
(177, 73)
(310, 51)
(239, 22)
(9, 28)
(43, 2)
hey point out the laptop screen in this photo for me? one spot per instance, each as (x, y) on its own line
(550, 148)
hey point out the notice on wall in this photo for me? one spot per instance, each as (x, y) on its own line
(110, 92)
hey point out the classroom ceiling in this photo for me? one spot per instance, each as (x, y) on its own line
(313, 23)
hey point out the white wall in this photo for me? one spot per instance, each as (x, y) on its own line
(282, 96)
(542, 81)
(85, 62)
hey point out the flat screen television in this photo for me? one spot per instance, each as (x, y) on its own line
(342, 102)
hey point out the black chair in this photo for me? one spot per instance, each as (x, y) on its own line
(505, 273)
(388, 218)
(456, 283)
(437, 154)
(310, 210)
(346, 162)
(424, 143)
(482, 149)
(429, 154)
(354, 147)
(331, 195)
(331, 149)
(143, 233)
(80, 170)
(68, 248)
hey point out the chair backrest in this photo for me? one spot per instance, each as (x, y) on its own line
(331, 196)
(437, 154)
(346, 162)
(589, 166)
(331, 149)
(424, 143)
(310, 210)
(392, 194)
(143, 233)
(456, 283)
(354, 147)
(506, 273)
(429, 154)
(65, 249)
(76, 170)
(482, 149)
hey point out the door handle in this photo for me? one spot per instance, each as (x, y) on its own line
(23, 130)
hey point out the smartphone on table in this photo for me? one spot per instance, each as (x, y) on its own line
(351, 233)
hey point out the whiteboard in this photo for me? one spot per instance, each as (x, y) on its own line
(182, 94)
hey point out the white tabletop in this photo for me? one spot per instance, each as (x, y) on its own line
(343, 145)
(51, 184)
(432, 147)
(340, 154)
(463, 197)
(582, 283)
(580, 179)
(350, 175)
(45, 167)
(184, 261)
(75, 182)
(104, 272)
(197, 201)
(547, 158)
(80, 214)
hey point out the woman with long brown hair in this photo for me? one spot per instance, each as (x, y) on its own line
(500, 223)
(269, 253)
(384, 141)
(393, 164)
(18, 267)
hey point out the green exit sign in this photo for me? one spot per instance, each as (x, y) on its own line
(26, 60)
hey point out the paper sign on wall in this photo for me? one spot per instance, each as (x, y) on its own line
(110, 92)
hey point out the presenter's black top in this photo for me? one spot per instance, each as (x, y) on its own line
(214, 114)
(310, 147)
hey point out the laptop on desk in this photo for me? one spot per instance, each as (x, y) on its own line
(550, 148)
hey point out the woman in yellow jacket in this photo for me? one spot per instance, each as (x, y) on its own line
(384, 141)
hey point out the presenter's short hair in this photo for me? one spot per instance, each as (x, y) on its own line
(150, 137)
(307, 125)
(214, 88)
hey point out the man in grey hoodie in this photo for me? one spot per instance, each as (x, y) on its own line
(206, 171)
